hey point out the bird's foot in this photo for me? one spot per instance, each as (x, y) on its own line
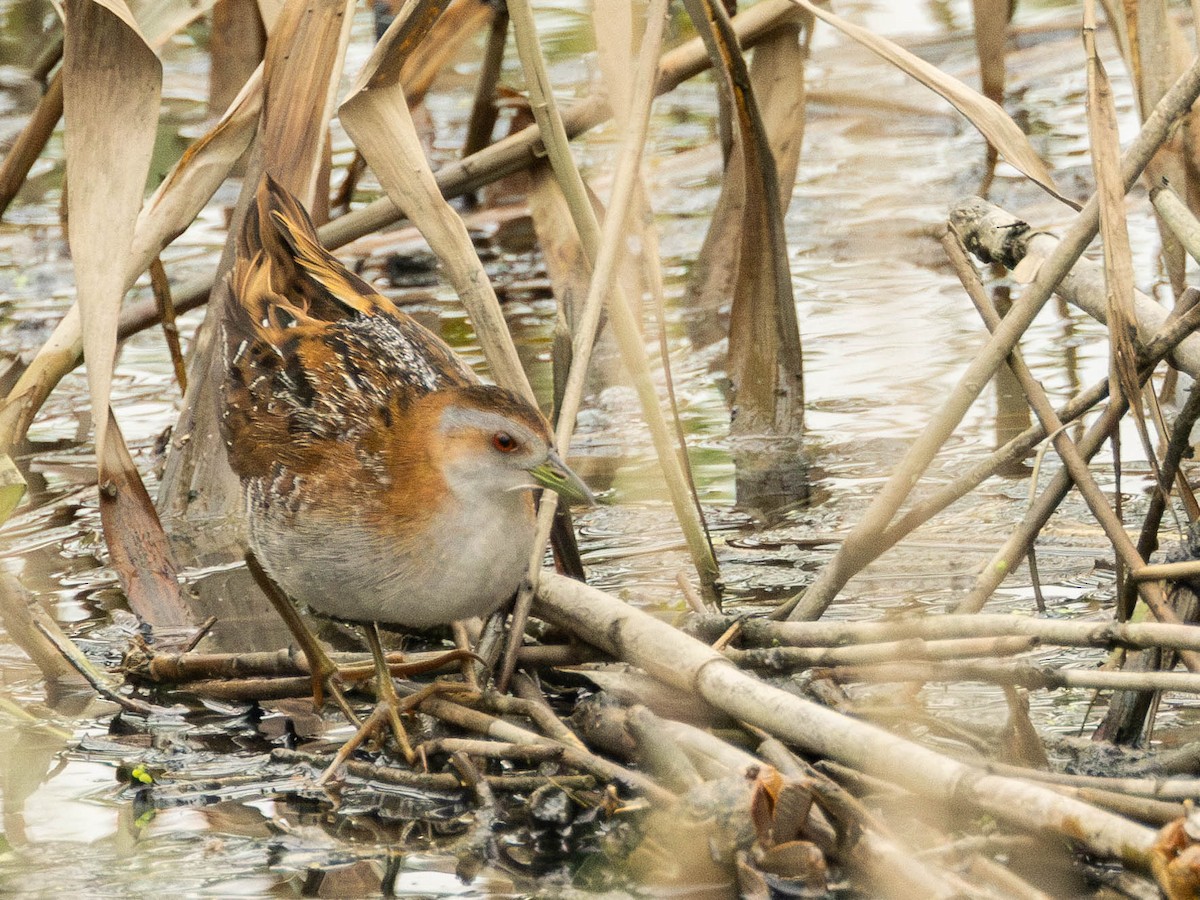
(387, 712)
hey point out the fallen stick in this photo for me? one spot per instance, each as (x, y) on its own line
(858, 549)
(996, 235)
(1019, 674)
(1170, 790)
(498, 729)
(787, 659)
(434, 781)
(671, 656)
(1107, 635)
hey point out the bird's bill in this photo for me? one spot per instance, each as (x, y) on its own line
(555, 475)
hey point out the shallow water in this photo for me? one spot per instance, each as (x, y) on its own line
(887, 330)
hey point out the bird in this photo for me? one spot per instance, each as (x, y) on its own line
(382, 482)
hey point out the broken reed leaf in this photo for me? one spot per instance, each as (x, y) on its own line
(12, 487)
(1156, 53)
(160, 20)
(304, 59)
(1114, 233)
(237, 42)
(991, 18)
(782, 97)
(775, 106)
(112, 82)
(187, 188)
(164, 217)
(137, 545)
(765, 364)
(305, 54)
(376, 117)
(457, 26)
(194, 179)
(988, 118)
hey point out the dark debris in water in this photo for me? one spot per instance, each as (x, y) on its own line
(215, 759)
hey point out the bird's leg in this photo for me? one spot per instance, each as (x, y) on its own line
(387, 692)
(323, 669)
(365, 730)
(462, 640)
(376, 719)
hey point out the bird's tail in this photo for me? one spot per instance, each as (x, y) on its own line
(280, 228)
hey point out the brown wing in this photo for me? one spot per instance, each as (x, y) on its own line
(312, 352)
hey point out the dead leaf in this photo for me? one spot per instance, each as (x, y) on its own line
(765, 361)
(376, 116)
(195, 178)
(137, 546)
(111, 86)
(989, 119)
(305, 54)
(1114, 233)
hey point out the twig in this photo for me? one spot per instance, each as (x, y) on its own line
(1020, 674)
(602, 251)
(492, 749)
(161, 286)
(527, 689)
(472, 847)
(766, 633)
(434, 781)
(665, 653)
(483, 109)
(368, 727)
(857, 550)
(1178, 571)
(98, 679)
(482, 723)
(1073, 460)
(789, 659)
(537, 711)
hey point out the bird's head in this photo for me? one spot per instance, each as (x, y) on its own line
(493, 441)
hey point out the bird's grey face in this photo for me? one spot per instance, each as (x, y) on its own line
(488, 452)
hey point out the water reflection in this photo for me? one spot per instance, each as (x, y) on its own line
(886, 331)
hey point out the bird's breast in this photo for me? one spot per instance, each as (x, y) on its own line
(457, 563)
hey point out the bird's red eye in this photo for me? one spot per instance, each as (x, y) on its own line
(504, 442)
